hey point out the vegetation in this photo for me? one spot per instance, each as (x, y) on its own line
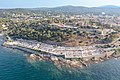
(117, 51)
(40, 32)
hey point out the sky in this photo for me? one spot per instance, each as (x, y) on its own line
(55, 3)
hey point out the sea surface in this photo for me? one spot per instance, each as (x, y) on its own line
(15, 65)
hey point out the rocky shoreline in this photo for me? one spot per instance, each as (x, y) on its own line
(59, 61)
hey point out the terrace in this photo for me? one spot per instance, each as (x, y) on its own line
(68, 52)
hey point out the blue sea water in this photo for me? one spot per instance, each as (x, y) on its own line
(14, 65)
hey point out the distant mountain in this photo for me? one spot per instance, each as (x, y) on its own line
(109, 6)
(69, 9)
(81, 9)
(110, 9)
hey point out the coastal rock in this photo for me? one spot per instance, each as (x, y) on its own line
(33, 56)
(54, 58)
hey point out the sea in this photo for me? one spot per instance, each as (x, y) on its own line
(15, 65)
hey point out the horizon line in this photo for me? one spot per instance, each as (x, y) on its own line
(56, 6)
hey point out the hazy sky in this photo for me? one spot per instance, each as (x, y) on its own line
(54, 3)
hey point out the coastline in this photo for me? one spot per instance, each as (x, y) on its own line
(58, 60)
